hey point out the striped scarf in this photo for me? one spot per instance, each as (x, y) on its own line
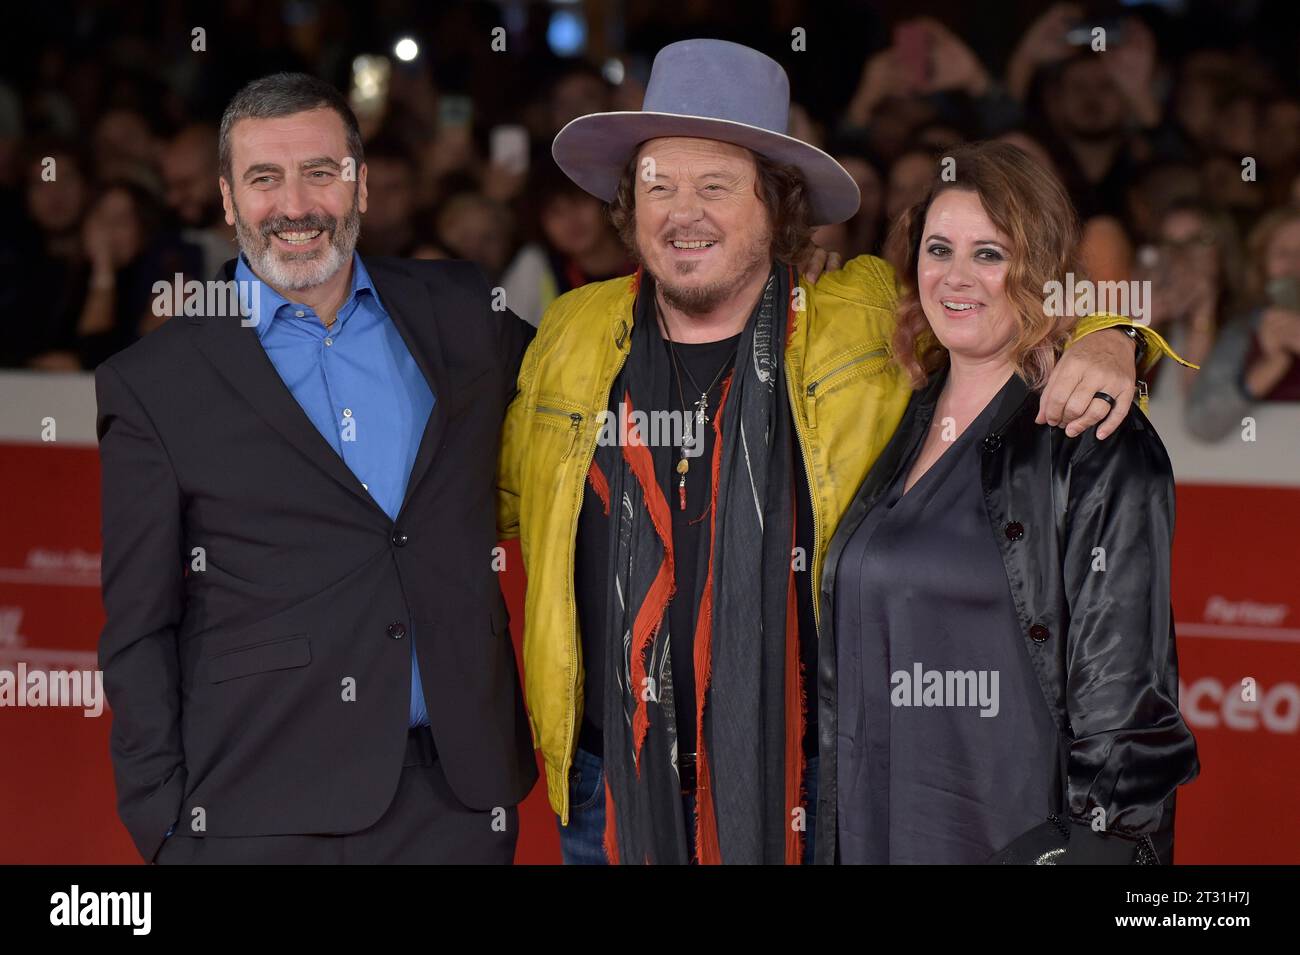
(749, 706)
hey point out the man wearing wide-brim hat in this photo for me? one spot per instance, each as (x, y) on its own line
(669, 637)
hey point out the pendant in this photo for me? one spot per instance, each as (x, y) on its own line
(683, 466)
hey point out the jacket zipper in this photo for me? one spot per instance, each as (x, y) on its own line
(575, 425)
(573, 600)
(818, 382)
(812, 493)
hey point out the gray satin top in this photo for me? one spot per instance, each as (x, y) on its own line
(928, 643)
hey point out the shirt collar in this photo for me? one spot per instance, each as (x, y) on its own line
(270, 302)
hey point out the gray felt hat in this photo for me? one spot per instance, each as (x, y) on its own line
(706, 89)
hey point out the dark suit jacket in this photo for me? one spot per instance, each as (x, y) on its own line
(229, 684)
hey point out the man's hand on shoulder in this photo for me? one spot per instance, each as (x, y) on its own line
(1101, 363)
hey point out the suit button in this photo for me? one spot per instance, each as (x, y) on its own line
(400, 539)
(992, 443)
(1015, 530)
(1038, 633)
(397, 630)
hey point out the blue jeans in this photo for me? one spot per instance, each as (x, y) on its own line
(582, 841)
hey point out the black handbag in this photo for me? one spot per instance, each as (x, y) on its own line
(1047, 843)
(1042, 845)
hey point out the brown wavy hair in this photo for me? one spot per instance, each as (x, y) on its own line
(1029, 205)
(781, 187)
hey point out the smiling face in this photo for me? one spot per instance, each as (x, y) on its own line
(296, 218)
(961, 279)
(702, 230)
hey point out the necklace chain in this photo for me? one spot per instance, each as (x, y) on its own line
(700, 417)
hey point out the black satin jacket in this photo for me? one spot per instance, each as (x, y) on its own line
(1101, 641)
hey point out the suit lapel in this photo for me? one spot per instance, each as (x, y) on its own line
(238, 355)
(410, 307)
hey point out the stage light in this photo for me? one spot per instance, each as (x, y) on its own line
(406, 49)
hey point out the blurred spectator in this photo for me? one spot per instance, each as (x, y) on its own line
(125, 147)
(577, 245)
(126, 250)
(577, 90)
(1254, 358)
(1279, 140)
(1154, 189)
(390, 200)
(43, 257)
(927, 81)
(1105, 249)
(1243, 199)
(862, 234)
(1195, 275)
(1092, 151)
(909, 177)
(1042, 44)
(474, 227)
(1028, 144)
(190, 172)
(1204, 74)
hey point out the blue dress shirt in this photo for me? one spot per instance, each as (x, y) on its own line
(359, 385)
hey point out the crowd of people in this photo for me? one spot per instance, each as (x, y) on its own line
(1180, 148)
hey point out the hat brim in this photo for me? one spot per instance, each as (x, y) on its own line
(594, 150)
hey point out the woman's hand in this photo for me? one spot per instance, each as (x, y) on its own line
(1104, 361)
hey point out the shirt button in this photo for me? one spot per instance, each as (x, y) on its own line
(1038, 633)
(328, 342)
(400, 539)
(992, 443)
(300, 313)
(347, 412)
(396, 630)
(1015, 530)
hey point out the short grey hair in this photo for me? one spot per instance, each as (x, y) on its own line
(283, 94)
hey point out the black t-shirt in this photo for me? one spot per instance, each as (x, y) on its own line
(702, 363)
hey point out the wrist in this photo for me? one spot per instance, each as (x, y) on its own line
(1139, 343)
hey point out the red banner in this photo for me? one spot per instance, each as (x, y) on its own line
(1234, 598)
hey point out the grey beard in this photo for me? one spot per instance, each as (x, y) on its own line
(299, 271)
